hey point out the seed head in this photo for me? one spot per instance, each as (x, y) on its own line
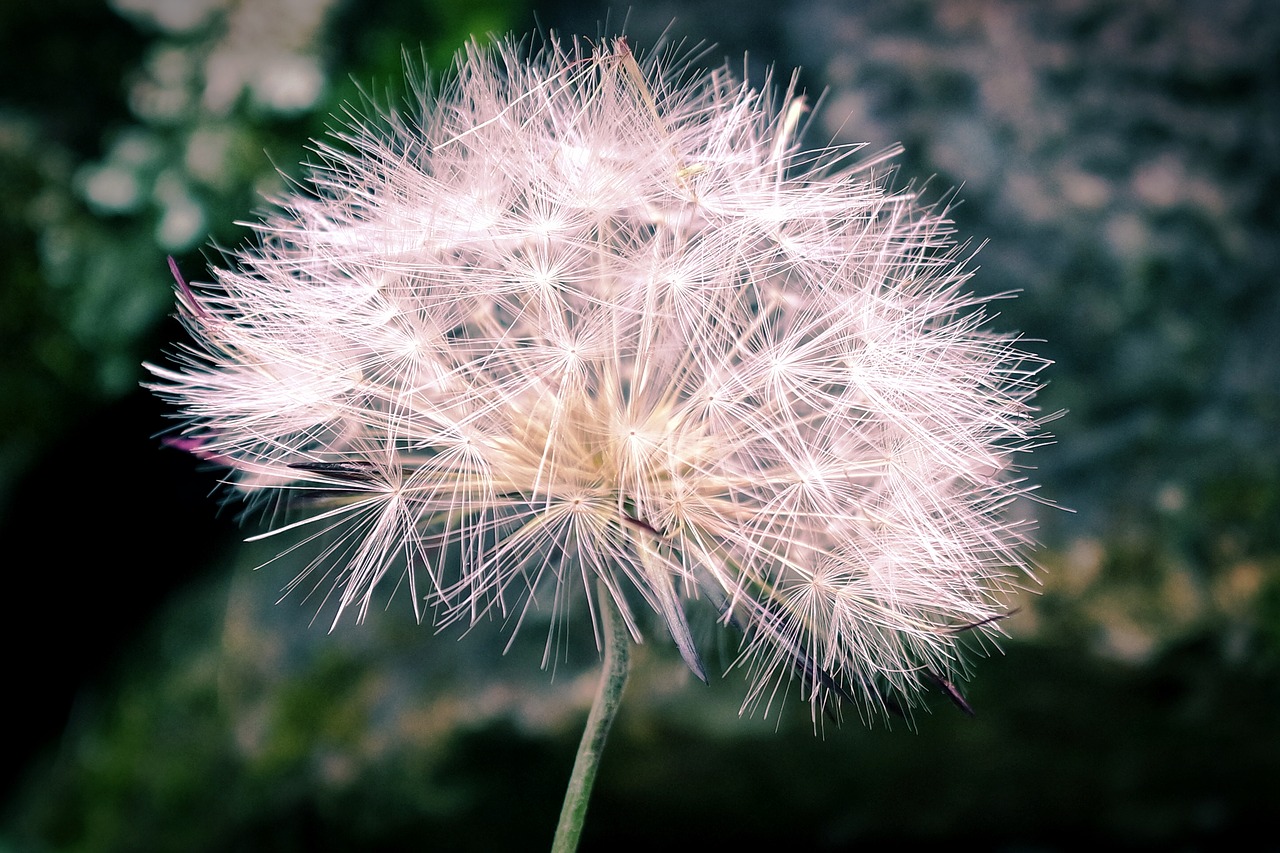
(575, 316)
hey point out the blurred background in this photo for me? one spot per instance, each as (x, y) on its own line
(1122, 161)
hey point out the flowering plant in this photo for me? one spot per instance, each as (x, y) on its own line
(578, 325)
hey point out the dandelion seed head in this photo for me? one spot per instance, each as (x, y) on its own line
(577, 315)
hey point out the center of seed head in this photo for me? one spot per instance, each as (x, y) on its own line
(574, 443)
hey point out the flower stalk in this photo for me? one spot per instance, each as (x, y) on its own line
(613, 679)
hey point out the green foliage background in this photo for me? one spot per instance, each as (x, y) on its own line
(1123, 160)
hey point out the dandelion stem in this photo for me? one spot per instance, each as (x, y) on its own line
(613, 678)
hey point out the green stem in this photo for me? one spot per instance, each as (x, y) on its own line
(617, 660)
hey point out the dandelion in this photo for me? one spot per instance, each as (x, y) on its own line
(577, 325)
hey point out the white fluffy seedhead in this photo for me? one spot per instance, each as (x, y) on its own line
(574, 316)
